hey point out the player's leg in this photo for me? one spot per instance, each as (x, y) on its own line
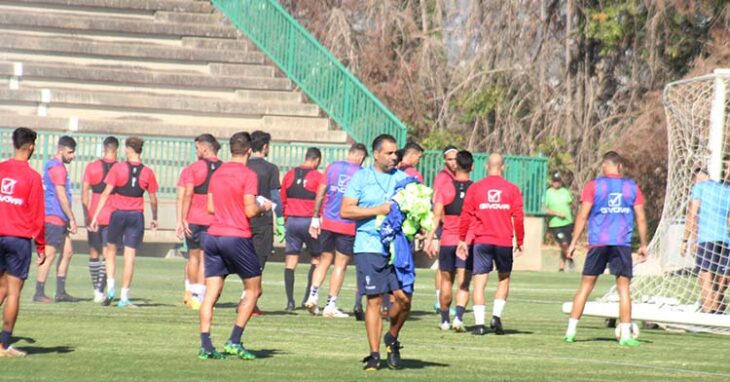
(503, 260)
(95, 252)
(437, 290)
(42, 276)
(62, 271)
(314, 248)
(14, 286)
(622, 268)
(213, 287)
(399, 311)
(463, 280)
(312, 303)
(133, 237)
(234, 345)
(596, 261)
(263, 242)
(293, 248)
(373, 329)
(483, 265)
(3, 285)
(115, 236)
(15, 257)
(130, 255)
(336, 280)
(445, 297)
(193, 277)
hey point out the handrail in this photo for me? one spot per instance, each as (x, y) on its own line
(313, 68)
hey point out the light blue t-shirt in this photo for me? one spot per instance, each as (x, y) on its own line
(371, 188)
(714, 201)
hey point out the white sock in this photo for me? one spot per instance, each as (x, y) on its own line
(332, 303)
(625, 331)
(198, 291)
(314, 292)
(498, 308)
(125, 294)
(109, 284)
(187, 285)
(478, 314)
(438, 295)
(243, 294)
(572, 327)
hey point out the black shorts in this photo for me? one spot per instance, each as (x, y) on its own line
(198, 233)
(297, 236)
(15, 254)
(713, 256)
(375, 275)
(100, 238)
(263, 241)
(333, 241)
(486, 256)
(619, 258)
(563, 235)
(225, 255)
(56, 235)
(449, 262)
(127, 227)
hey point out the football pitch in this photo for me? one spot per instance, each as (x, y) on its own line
(159, 340)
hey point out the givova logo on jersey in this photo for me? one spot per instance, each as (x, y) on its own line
(7, 189)
(342, 181)
(494, 201)
(615, 203)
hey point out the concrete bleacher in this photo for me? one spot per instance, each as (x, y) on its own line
(171, 68)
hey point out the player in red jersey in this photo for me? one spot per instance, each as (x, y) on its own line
(493, 211)
(23, 219)
(195, 216)
(91, 190)
(443, 179)
(180, 229)
(412, 154)
(298, 192)
(228, 245)
(128, 180)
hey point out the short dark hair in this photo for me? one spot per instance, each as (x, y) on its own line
(23, 136)
(66, 141)
(449, 148)
(312, 154)
(135, 143)
(378, 141)
(111, 142)
(464, 160)
(399, 155)
(613, 157)
(210, 140)
(259, 139)
(412, 146)
(358, 148)
(240, 143)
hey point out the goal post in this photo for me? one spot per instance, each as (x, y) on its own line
(684, 282)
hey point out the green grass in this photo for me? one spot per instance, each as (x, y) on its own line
(159, 341)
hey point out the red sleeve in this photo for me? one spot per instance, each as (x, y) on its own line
(113, 177)
(518, 216)
(251, 183)
(183, 180)
(91, 173)
(285, 184)
(639, 197)
(36, 200)
(314, 179)
(467, 213)
(445, 194)
(150, 180)
(58, 175)
(589, 192)
(196, 173)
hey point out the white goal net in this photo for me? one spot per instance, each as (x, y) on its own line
(683, 284)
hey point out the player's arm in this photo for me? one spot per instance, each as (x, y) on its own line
(465, 220)
(37, 212)
(314, 227)
(85, 201)
(438, 213)
(518, 220)
(211, 206)
(186, 202)
(550, 212)
(179, 230)
(690, 225)
(643, 231)
(580, 224)
(94, 225)
(252, 208)
(66, 207)
(350, 210)
(153, 209)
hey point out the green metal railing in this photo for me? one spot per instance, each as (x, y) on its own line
(168, 156)
(313, 68)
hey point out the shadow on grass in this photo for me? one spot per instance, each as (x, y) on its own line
(24, 339)
(267, 353)
(147, 303)
(507, 332)
(609, 339)
(418, 364)
(47, 350)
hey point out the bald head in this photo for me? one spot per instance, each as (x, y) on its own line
(495, 164)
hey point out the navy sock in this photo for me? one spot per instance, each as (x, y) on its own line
(375, 355)
(444, 315)
(40, 288)
(460, 312)
(60, 285)
(205, 342)
(358, 298)
(289, 284)
(389, 339)
(236, 334)
(5, 339)
(309, 281)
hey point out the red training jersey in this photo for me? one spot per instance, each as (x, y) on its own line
(21, 202)
(197, 173)
(93, 175)
(118, 176)
(412, 171)
(493, 209)
(228, 185)
(184, 177)
(298, 194)
(443, 178)
(446, 195)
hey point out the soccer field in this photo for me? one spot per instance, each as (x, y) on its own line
(159, 340)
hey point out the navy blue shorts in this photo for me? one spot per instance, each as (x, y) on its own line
(333, 241)
(15, 254)
(713, 257)
(486, 256)
(95, 240)
(127, 227)
(618, 258)
(297, 236)
(563, 235)
(56, 235)
(225, 255)
(449, 262)
(374, 274)
(195, 240)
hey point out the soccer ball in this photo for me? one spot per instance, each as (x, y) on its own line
(634, 331)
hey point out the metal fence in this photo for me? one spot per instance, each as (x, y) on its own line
(168, 156)
(313, 68)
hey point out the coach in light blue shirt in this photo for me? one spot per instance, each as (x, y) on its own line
(368, 195)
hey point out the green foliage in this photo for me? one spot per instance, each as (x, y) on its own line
(558, 153)
(611, 24)
(480, 104)
(437, 138)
